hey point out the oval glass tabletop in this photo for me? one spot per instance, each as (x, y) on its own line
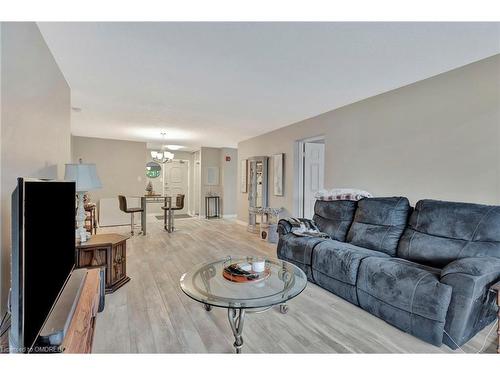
(205, 283)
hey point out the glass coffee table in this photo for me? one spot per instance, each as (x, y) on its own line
(206, 284)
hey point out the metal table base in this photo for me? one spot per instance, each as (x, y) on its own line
(167, 203)
(236, 317)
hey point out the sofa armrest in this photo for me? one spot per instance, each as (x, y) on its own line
(472, 304)
(488, 267)
(284, 227)
(471, 275)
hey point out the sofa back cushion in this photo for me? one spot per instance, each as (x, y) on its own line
(334, 217)
(379, 223)
(440, 232)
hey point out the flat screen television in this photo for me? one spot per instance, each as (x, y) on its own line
(43, 254)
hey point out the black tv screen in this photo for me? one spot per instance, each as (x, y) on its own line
(43, 253)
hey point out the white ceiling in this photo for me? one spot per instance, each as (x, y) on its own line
(215, 84)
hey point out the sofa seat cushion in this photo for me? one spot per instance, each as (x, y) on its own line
(406, 285)
(379, 223)
(297, 249)
(406, 295)
(340, 260)
(334, 217)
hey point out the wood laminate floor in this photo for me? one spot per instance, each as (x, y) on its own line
(151, 314)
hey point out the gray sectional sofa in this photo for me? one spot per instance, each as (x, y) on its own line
(426, 271)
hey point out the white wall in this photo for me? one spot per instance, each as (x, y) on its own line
(35, 120)
(229, 180)
(437, 138)
(120, 165)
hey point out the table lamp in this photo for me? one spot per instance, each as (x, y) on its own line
(85, 176)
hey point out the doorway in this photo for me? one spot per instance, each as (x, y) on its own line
(311, 174)
(176, 181)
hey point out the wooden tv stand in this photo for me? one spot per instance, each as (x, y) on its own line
(75, 314)
(70, 325)
(80, 333)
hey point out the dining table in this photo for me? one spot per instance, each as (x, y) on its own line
(166, 200)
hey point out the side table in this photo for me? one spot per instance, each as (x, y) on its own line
(496, 288)
(91, 217)
(105, 250)
(216, 200)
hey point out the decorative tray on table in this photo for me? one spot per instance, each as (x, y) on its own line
(242, 272)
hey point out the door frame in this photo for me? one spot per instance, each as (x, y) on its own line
(187, 196)
(298, 166)
(196, 188)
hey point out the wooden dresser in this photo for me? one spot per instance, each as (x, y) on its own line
(105, 250)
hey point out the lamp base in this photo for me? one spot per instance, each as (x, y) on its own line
(81, 233)
(82, 236)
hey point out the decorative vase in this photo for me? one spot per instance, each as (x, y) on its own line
(149, 188)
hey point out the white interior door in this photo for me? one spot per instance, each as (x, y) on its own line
(314, 174)
(175, 181)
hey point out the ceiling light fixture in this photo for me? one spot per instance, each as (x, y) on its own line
(162, 156)
(174, 147)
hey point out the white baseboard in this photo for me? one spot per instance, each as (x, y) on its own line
(230, 216)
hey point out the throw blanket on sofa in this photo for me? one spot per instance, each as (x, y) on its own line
(305, 228)
(342, 194)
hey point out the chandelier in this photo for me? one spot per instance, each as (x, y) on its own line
(162, 156)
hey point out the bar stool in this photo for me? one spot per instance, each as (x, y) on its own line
(123, 207)
(179, 205)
